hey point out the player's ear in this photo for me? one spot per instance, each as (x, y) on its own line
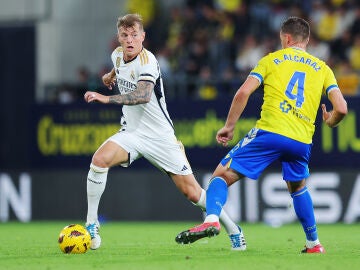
(287, 38)
(143, 35)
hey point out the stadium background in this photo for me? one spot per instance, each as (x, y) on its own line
(52, 51)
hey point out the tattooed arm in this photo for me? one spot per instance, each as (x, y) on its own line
(140, 95)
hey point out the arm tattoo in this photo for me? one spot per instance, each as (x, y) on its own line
(140, 95)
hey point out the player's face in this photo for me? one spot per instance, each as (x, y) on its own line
(131, 39)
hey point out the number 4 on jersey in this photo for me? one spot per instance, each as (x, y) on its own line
(297, 93)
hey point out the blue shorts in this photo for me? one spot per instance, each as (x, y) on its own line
(259, 148)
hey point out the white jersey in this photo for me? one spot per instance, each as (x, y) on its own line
(150, 119)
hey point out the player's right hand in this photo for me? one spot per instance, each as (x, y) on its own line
(109, 79)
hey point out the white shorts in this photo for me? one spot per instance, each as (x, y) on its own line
(167, 153)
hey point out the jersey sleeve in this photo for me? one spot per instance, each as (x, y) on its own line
(116, 55)
(330, 82)
(113, 56)
(149, 70)
(259, 71)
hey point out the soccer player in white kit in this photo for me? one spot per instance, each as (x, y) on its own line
(146, 128)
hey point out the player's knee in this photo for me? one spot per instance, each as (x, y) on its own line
(296, 186)
(99, 161)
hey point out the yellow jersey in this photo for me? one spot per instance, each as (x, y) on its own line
(294, 82)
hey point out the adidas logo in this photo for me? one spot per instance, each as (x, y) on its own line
(184, 168)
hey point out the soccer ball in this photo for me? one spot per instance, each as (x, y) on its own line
(74, 238)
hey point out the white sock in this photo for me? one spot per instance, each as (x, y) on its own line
(202, 201)
(211, 218)
(311, 244)
(230, 226)
(96, 182)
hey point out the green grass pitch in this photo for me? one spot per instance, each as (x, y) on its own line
(151, 245)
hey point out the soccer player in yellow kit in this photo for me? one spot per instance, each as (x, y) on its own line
(294, 82)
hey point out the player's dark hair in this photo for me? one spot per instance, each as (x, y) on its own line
(297, 27)
(130, 20)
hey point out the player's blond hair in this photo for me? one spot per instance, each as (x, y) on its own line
(130, 20)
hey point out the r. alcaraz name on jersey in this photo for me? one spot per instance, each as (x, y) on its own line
(151, 119)
(294, 82)
(297, 58)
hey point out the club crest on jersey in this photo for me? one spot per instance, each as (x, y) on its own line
(132, 75)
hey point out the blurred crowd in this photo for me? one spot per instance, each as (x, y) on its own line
(206, 48)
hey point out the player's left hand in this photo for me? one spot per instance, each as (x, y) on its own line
(325, 114)
(95, 97)
(109, 79)
(224, 135)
